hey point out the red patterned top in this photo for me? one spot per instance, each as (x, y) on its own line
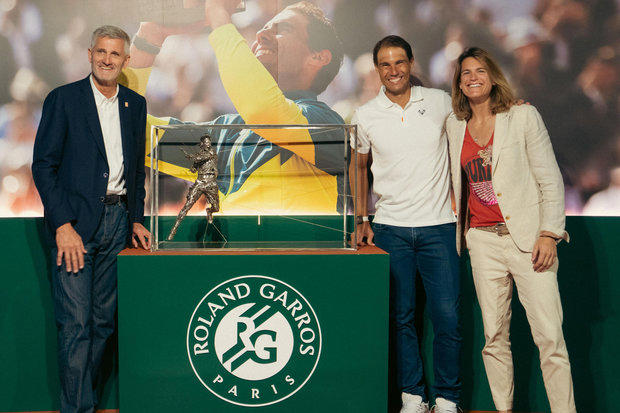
(476, 162)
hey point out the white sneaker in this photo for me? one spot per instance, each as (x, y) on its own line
(413, 404)
(444, 406)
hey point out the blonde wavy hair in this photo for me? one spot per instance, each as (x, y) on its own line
(502, 96)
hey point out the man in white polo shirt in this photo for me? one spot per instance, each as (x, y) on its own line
(403, 128)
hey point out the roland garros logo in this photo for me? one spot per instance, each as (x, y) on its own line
(253, 341)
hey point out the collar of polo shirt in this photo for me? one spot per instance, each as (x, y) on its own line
(416, 96)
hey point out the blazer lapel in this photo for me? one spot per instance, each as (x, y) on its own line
(499, 137)
(124, 112)
(92, 117)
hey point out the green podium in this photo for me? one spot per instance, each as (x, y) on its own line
(276, 331)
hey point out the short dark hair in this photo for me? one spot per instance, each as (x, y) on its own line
(321, 36)
(392, 41)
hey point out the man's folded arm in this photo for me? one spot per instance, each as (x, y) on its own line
(47, 155)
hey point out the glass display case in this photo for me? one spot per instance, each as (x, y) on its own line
(237, 186)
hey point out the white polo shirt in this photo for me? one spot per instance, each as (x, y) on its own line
(409, 157)
(109, 119)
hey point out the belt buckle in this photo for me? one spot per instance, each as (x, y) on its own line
(498, 228)
(112, 199)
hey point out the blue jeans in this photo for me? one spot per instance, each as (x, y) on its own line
(432, 251)
(84, 306)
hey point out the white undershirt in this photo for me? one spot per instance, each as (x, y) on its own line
(110, 122)
(409, 157)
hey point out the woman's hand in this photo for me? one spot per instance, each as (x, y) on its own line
(544, 253)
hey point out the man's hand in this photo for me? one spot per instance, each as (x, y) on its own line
(544, 253)
(519, 102)
(217, 12)
(188, 155)
(143, 235)
(156, 34)
(69, 244)
(363, 231)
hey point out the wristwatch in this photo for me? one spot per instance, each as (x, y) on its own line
(361, 220)
(144, 45)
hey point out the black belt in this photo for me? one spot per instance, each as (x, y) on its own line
(114, 199)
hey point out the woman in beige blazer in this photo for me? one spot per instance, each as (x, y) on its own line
(510, 207)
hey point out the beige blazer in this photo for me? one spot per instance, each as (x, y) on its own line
(525, 175)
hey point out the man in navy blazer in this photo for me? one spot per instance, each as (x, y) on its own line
(88, 166)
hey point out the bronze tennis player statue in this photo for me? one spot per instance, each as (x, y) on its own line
(204, 162)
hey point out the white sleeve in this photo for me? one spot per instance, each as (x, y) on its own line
(363, 143)
(546, 171)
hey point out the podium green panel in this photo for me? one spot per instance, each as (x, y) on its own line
(303, 331)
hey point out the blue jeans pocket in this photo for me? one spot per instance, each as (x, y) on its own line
(378, 227)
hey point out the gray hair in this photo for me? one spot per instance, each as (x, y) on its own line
(112, 32)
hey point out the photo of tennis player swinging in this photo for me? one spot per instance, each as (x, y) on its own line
(204, 163)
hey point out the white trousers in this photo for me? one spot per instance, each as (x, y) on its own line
(497, 262)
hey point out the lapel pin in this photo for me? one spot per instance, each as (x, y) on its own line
(421, 111)
(126, 104)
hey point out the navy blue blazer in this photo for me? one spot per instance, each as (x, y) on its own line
(69, 166)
